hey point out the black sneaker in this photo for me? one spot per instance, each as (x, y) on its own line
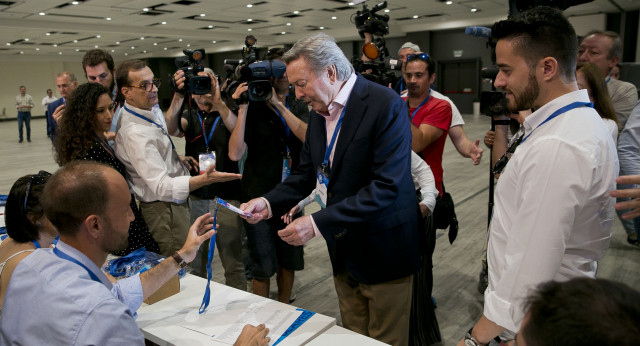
(29, 140)
(633, 242)
(20, 141)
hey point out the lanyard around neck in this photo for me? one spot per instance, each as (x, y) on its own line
(327, 153)
(207, 138)
(105, 145)
(558, 112)
(422, 104)
(153, 122)
(63, 255)
(212, 248)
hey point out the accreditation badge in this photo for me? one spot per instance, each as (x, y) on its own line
(322, 185)
(286, 167)
(206, 160)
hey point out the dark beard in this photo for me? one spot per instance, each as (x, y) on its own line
(528, 96)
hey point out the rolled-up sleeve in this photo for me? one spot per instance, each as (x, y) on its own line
(129, 292)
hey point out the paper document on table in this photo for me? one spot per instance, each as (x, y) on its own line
(278, 321)
(232, 208)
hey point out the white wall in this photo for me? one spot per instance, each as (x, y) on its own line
(584, 24)
(37, 77)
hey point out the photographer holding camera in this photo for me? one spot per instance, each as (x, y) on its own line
(271, 132)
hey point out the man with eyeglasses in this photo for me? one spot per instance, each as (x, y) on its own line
(553, 213)
(66, 82)
(158, 176)
(99, 68)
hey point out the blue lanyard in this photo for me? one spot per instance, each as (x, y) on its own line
(212, 248)
(286, 127)
(35, 242)
(560, 111)
(105, 145)
(207, 139)
(608, 79)
(327, 152)
(153, 122)
(422, 104)
(63, 255)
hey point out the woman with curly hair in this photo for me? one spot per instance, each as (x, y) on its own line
(87, 115)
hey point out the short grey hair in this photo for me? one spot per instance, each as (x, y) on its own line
(320, 51)
(410, 45)
(72, 77)
(616, 43)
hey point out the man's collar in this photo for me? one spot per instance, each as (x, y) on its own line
(541, 114)
(343, 95)
(82, 258)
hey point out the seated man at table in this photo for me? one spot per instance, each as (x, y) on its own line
(61, 296)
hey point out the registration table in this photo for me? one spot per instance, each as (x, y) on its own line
(175, 320)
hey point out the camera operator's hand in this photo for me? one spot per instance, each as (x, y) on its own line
(179, 79)
(239, 90)
(489, 137)
(189, 162)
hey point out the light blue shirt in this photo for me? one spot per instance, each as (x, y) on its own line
(53, 301)
(629, 144)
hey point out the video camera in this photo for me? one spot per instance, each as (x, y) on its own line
(191, 64)
(368, 21)
(257, 73)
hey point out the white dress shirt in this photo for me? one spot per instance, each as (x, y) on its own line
(553, 213)
(154, 170)
(423, 179)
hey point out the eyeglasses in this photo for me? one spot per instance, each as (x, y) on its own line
(148, 86)
(502, 161)
(421, 56)
(36, 179)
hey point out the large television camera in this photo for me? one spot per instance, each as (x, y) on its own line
(256, 73)
(368, 21)
(191, 64)
(378, 67)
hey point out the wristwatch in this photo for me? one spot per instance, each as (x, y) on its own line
(181, 262)
(470, 340)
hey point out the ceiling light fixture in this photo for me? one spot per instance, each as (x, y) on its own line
(48, 33)
(21, 52)
(322, 28)
(117, 42)
(60, 53)
(42, 13)
(145, 9)
(133, 47)
(26, 39)
(142, 38)
(210, 27)
(415, 16)
(179, 40)
(474, 10)
(249, 20)
(188, 44)
(55, 45)
(96, 46)
(164, 23)
(74, 2)
(202, 14)
(213, 41)
(249, 5)
(75, 41)
(108, 18)
(283, 32)
(449, 2)
(249, 29)
(98, 36)
(155, 43)
(296, 12)
(37, 48)
(165, 48)
(386, 10)
(288, 24)
(8, 44)
(334, 17)
(125, 54)
(112, 51)
(77, 49)
(351, 4)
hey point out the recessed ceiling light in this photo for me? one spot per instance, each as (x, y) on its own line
(75, 41)
(48, 34)
(179, 40)
(249, 29)
(249, 20)
(26, 39)
(249, 5)
(133, 47)
(8, 44)
(284, 32)
(60, 53)
(112, 51)
(144, 51)
(288, 24)
(117, 42)
(322, 28)
(142, 38)
(125, 54)
(202, 14)
(98, 36)
(474, 10)
(55, 45)
(213, 41)
(41, 13)
(77, 49)
(108, 18)
(334, 17)
(351, 4)
(96, 46)
(145, 9)
(386, 10)
(164, 23)
(415, 16)
(210, 27)
(74, 2)
(37, 48)
(21, 52)
(449, 2)
(296, 12)
(188, 44)
(165, 48)
(155, 43)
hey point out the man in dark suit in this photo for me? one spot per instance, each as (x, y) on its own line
(370, 221)
(66, 82)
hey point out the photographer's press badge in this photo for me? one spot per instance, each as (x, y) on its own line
(206, 160)
(322, 185)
